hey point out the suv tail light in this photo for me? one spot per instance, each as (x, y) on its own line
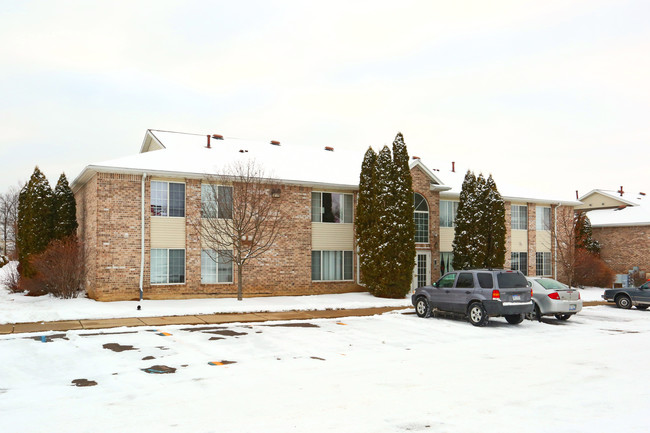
(554, 295)
(496, 294)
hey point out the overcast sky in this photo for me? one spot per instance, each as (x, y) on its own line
(553, 93)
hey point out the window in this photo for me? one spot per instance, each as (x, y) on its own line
(421, 216)
(167, 199)
(447, 281)
(331, 265)
(448, 211)
(543, 263)
(543, 218)
(329, 207)
(519, 216)
(219, 205)
(485, 280)
(167, 266)
(519, 262)
(465, 281)
(216, 267)
(446, 262)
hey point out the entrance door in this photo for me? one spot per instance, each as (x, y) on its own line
(422, 270)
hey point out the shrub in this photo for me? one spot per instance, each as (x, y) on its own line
(59, 269)
(9, 277)
(591, 270)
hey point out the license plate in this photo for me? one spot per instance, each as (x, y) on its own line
(572, 307)
(516, 297)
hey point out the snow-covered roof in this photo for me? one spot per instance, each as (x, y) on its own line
(186, 155)
(633, 211)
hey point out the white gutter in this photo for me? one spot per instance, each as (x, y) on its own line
(144, 177)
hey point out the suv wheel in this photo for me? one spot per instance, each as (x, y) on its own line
(514, 319)
(623, 301)
(476, 314)
(422, 308)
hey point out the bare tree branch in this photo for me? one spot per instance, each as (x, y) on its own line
(240, 219)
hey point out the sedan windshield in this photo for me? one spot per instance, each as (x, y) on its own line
(550, 284)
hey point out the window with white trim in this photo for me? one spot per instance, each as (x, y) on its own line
(421, 217)
(331, 265)
(519, 217)
(543, 264)
(542, 218)
(167, 266)
(216, 201)
(330, 207)
(448, 211)
(216, 267)
(519, 262)
(446, 262)
(167, 199)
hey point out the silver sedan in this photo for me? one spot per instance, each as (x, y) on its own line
(552, 298)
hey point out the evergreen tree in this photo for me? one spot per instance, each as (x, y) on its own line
(464, 231)
(65, 210)
(34, 220)
(583, 234)
(404, 240)
(495, 227)
(366, 220)
(385, 175)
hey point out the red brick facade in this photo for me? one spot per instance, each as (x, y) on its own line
(624, 247)
(422, 186)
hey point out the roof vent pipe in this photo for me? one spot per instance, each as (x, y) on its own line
(453, 166)
(642, 193)
(275, 142)
(415, 157)
(577, 196)
(208, 145)
(620, 191)
(329, 149)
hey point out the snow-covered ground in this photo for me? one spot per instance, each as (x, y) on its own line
(389, 373)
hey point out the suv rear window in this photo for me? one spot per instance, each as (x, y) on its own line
(510, 280)
(485, 280)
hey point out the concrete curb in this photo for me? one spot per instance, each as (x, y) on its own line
(201, 319)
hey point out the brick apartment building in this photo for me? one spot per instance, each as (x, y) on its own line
(135, 216)
(620, 221)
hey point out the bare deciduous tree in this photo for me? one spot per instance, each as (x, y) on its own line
(9, 220)
(242, 216)
(59, 269)
(563, 236)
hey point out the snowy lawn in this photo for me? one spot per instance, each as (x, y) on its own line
(389, 373)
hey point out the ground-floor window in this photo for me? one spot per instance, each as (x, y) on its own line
(543, 263)
(446, 262)
(167, 266)
(216, 267)
(519, 262)
(331, 265)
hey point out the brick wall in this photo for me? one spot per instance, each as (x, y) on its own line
(422, 186)
(622, 248)
(532, 239)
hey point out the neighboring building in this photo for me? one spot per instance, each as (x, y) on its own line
(135, 216)
(620, 222)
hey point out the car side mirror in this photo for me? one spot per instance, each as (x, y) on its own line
(435, 284)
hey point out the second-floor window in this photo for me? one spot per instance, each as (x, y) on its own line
(216, 201)
(167, 199)
(519, 217)
(543, 218)
(448, 211)
(421, 216)
(330, 207)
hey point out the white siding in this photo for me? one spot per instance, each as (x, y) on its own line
(167, 232)
(327, 236)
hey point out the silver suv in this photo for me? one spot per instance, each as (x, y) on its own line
(477, 293)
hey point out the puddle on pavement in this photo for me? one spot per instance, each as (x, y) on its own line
(295, 325)
(316, 357)
(159, 369)
(620, 331)
(117, 347)
(84, 382)
(49, 338)
(216, 338)
(147, 358)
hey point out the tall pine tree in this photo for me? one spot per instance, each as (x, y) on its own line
(584, 235)
(366, 220)
(386, 231)
(65, 210)
(494, 227)
(464, 232)
(34, 220)
(404, 219)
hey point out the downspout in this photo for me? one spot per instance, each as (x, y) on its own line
(144, 177)
(555, 230)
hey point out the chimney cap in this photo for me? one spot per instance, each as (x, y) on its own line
(275, 142)
(329, 148)
(415, 157)
(217, 136)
